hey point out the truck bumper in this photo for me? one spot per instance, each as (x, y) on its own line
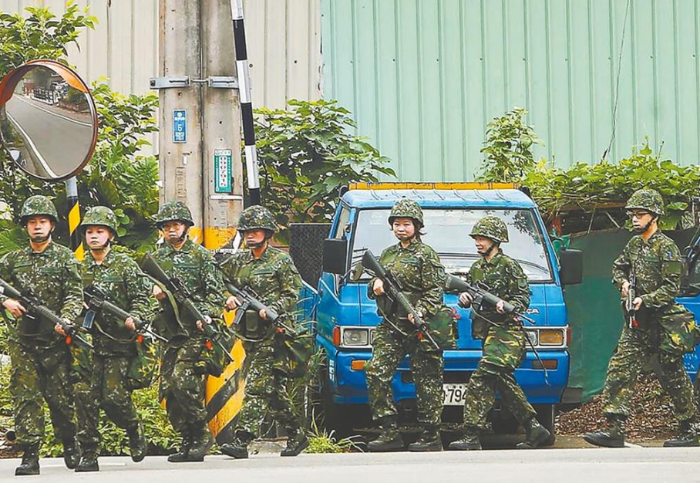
(349, 385)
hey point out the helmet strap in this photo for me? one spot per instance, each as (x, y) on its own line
(488, 251)
(646, 227)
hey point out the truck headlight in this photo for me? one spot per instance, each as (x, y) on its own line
(356, 337)
(553, 337)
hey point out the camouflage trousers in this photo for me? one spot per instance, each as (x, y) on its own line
(504, 349)
(266, 392)
(106, 388)
(38, 376)
(389, 348)
(633, 352)
(182, 384)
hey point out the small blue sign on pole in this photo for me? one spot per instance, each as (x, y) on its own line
(179, 126)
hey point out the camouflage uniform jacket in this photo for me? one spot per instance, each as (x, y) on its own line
(504, 278)
(656, 264)
(124, 285)
(53, 277)
(418, 270)
(273, 277)
(195, 266)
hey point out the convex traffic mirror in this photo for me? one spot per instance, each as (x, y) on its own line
(48, 121)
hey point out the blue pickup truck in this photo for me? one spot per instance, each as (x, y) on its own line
(346, 318)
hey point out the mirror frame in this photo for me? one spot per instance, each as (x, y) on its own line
(7, 89)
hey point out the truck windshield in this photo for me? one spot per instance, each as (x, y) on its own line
(447, 232)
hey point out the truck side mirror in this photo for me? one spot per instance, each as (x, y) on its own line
(335, 256)
(571, 272)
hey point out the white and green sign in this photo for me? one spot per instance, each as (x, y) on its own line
(223, 169)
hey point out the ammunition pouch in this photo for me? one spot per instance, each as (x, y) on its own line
(144, 365)
(292, 353)
(679, 334)
(35, 329)
(251, 327)
(212, 359)
(167, 325)
(443, 328)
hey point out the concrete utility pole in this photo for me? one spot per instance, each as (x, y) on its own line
(222, 128)
(199, 139)
(181, 157)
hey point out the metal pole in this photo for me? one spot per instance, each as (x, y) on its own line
(246, 97)
(76, 243)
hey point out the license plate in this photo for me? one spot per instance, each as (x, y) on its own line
(454, 394)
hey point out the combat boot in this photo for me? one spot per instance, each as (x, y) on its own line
(137, 443)
(296, 443)
(429, 440)
(30, 461)
(468, 442)
(88, 462)
(535, 435)
(390, 439)
(687, 436)
(201, 443)
(181, 456)
(71, 453)
(237, 448)
(614, 437)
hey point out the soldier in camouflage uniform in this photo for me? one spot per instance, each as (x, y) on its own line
(660, 328)
(417, 268)
(503, 339)
(183, 368)
(106, 383)
(41, 360)
(271, 274)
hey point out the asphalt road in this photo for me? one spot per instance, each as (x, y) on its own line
(638, 465)
(60, 138)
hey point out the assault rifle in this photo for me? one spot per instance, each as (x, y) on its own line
(480, 296)
(184, 299)
(629, 303)
(393, 290)
(36, 309)
(96, 301)
(251, 301)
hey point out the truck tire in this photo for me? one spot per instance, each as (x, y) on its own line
(546, 415)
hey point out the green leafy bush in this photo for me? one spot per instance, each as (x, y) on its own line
(508, 147)
(577, 194)
(306, 155)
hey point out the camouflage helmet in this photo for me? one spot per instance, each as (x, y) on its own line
(37, 205)
(646, 199)
(257, 217)
(405, 208)
(102, 216)
(491, 227)
(174, 211)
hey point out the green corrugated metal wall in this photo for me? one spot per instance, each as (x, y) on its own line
(423, 77)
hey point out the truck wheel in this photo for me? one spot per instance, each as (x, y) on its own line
(546, 415)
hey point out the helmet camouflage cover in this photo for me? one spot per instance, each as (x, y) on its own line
(491, 227)
(37, 205)
(100, 215)
(405, 208)
(174, 211)
(257, 217)
(646, 199)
